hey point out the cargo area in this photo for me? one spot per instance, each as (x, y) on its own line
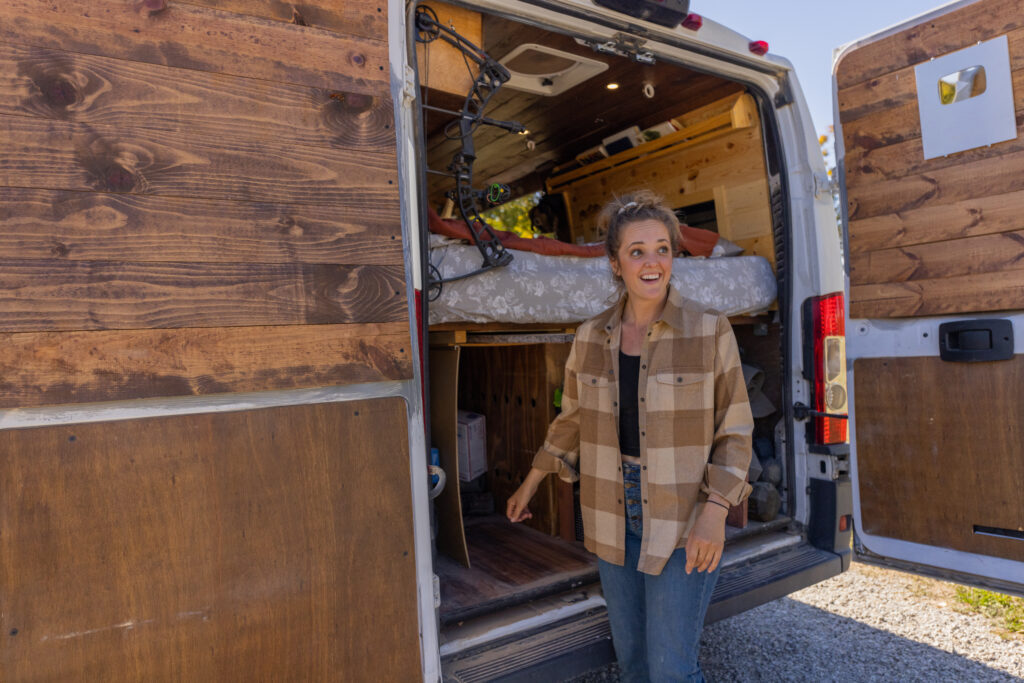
(497, 360)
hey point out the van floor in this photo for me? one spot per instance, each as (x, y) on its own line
(509, 564)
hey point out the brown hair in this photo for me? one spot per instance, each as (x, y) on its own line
(630, 208)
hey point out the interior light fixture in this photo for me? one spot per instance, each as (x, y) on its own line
(612, 86)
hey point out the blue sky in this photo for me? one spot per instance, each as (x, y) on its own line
(806, 31)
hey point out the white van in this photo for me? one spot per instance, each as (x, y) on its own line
(239, 317)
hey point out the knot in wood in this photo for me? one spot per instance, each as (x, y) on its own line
(150, 7)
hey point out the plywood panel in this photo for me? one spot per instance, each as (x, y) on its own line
(513, 387)
(45, 154)
(58, 84)
(185, 35)
(272, 544)
(74, 367)
(89, 295)
(929, 462)
(444, 408)
(96, 226)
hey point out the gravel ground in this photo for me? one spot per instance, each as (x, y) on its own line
(867, 624)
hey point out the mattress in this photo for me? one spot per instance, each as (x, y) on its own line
(536, 288)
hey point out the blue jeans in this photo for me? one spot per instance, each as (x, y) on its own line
(656, 620)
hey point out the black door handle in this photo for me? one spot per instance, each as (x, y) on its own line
(971, 341)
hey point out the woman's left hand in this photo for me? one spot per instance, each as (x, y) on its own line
(706, 540)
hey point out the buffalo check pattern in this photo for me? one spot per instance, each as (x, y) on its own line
(695, 428)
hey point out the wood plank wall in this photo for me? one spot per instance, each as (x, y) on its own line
(936, 236)
(196, 198)
(266, 545)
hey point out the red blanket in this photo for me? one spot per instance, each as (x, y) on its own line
(695, 241)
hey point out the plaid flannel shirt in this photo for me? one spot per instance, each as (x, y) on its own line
(695, 428)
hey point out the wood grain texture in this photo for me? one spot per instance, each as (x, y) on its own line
(444, 408)
(947, 33)
(202, 39)
(884, 164)
(96, 226)
(914, 222)
(965, 218)
(364, 18)
(52, 368)
(271, 544)
(970, 180)
(893, 91)
(57, 84)
(929, 462)
(59, 155)
(1003, 291)
(51, 295)
(513, 387)
(511, 563)
(968, 256)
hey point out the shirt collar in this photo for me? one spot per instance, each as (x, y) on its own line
(674, 314)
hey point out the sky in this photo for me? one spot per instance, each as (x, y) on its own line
(806, 31)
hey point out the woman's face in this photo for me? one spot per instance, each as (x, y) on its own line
(644, 260)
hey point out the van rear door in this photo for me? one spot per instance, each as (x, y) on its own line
(931, 163)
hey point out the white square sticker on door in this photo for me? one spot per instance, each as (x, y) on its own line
(965, 99)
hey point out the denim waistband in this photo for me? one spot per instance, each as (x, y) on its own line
(634, 507)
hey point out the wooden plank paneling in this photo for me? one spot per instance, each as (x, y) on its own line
(45, 224)
(951, 469)
(133, 95)
(91, 295)
(364, 18)
(48, 368)
(272, 544)
(202, 39)
(969, 256)
(965, 218)
(914, 221)
(962, 294)
(947, 33)
(40, 153)
(971, 180)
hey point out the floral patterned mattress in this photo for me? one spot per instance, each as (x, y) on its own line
(535, 288)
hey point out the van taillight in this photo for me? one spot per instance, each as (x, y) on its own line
(829, 369)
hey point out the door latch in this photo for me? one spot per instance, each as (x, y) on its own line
(802, 412)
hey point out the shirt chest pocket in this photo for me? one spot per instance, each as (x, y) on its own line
(679, 389)
(594, 393)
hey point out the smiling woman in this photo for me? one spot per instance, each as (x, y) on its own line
(655, 492)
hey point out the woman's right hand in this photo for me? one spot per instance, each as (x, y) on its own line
(517, 509)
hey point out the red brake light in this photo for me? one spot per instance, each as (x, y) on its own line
(829, 327)
(693, 21)
(758, 47)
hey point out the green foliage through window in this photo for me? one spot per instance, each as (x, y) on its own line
(514, 215)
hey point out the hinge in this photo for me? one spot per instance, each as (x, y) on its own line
(409, 92)
(822, 184)
(623, 45)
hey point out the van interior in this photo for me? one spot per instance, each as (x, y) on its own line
(595, 124)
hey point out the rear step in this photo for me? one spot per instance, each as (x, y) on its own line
(583, 642)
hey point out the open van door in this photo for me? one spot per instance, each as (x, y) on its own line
(931, 164)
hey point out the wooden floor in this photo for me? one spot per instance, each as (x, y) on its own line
(511, 563)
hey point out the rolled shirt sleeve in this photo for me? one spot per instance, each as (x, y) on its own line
(726, 472)
(561, 450)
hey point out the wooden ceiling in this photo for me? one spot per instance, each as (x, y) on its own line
(564, 125)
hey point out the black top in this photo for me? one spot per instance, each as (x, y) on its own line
(629, 407)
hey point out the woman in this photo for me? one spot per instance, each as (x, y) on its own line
(656, 427)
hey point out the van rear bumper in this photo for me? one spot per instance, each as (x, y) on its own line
(583, 642)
